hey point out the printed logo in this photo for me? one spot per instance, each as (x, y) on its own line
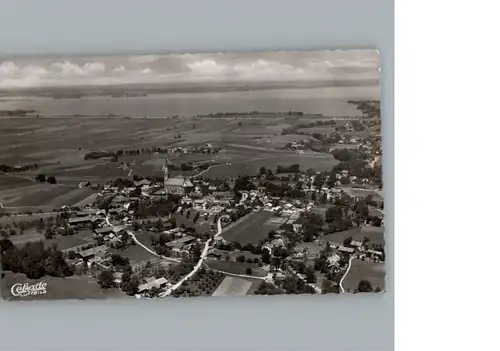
(23, 290)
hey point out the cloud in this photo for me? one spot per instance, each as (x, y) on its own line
(280, 66)
(67, 69)
(141, 59)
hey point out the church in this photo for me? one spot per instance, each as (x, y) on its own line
(177, 185)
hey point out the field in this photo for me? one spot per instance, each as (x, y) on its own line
(251, 166)
(320, 130)
(74, 287)
(375, 235)
(201, 225)
(62, 242)
(365, 192)
(360, 270)
(232, 286)
(251, 229)
(135, 254)
(146, 237)
(200, 284)
(58, 145)
(20, 194)
(236, 267)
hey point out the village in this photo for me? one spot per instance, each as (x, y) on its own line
(294, 232)
(194, 229)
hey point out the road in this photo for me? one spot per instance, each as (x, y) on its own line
(316, 289)
(235, 274)
(206, 170)
(198, 265)
(244, 197)
(345, 275)
(129, 232)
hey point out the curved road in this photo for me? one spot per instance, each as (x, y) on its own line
(142, 245)
(198, 265)
(316, 289)
(345, 274)
(235, 274)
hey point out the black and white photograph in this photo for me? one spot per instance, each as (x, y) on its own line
(191, 175)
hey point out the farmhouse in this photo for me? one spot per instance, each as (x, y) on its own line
(152, 283)
(80, 220)
(142, 182)
(344, 249)
(117, 277)
(99, 251)
(180, 243)
(356, 243)
(104, 231)
(333, 260)
(223, 195)
(374, 252)
(214, 253)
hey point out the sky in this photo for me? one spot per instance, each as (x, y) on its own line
(279, 66)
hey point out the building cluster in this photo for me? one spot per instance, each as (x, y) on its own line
(201, 149)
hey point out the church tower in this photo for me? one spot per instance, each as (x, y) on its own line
(165, 174)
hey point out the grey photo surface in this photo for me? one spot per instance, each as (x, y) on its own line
(182, 175)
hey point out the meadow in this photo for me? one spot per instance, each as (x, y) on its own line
(361, 270)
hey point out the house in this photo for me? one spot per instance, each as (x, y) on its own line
(277, 242)
(115, 211)
(120, 199)
(180, 243)
(200, 203)
(117, 277)
(80, 220)
(333, 260)
(86, 212)
(374, 252)
(186, 200)
(104, 230)
(214, 254)
(152, 283)
(142, 182)
(99, 251)
(344, 249)
(356, 243)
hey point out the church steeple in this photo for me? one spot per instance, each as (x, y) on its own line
(165, 174)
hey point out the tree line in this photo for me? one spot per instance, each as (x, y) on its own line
(15, 169)
(42, 178)
(34, 260)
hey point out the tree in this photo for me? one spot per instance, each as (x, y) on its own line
(262, 170)
(51, 180)
(271, 235)
(248, 271)
(155, 291)
(266, 256)
(310, 275)
(334, 213)
(49, 233)
(131, 287)
(136, 226)
(196, 250)
(240, 258)
(365, 286)
(106, 279)
(243, 183)
(117, 260)
(41, 178)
